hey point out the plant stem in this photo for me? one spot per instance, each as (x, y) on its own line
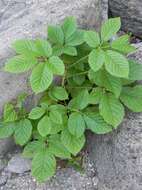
(78, 61)
(78, 74)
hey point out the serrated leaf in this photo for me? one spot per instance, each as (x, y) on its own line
(19, 64)
(55, 34)
(96, 59)
(32, 148)
(23, 131)
(96, 123)
(104, 79)
(69, 50)
(25, 47)
(41, 78)
(43, 165)
(56, 117)
(73, 144)
(116, 64)
(80, 101)
(122, 44)
(135, 72)
(58, 50)
(9, 114)
(58, 107)
(76, 124)
(69, 26)
(77, 38)
(110, 28)
(132, 98)
(57, 148)
(92, 38)
(6, 130)
(44, 126)
(36, 113)
(95, 95)
(56, 65)
(59, 93)
(111, 110)
(43, 48)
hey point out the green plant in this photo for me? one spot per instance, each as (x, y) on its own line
(85, 80)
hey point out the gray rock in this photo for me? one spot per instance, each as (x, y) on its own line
(6, 145)
(130, 13)
(18, 164)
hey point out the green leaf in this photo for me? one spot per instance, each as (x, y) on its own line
(69, 26)
(19, 64)
(23, 131)
(25, 47)
(80, 101)
(135, 72)
(21, 99)
(132, 98)
(104, 79)
(6, 130)
(41, 78)
(9, 113)
(58, 50)
(73, 144)
(116, 64)
(79, 79)
(96, 123)
(32, 148)
(55, 34)
(57, 148)
(110, 28)
(96, 59)
(43, 48)
(122, 44)
(95, 95)
(59, 93)
(56, 65)
(36, 113)
(56, 117)
(68, 50)
(43, 165)
(44, 126)
(77, 38)
(76, 124)
(111, 110)
(92, 38)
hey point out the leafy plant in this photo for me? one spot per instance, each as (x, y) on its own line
(86, 80)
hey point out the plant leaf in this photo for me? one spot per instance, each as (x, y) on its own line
(59, 93)
(56, 117)
(9, 114)
(76, 124)
(57, 148)
(55, 34)
(111, 110)
(135, 72)
(19, 64)
(6, 130)
(44, 126)
(69, 26)
(36, 113)
(77, 38)
(95, 95)
(96, 59)
(43, 165)
(96, 123)
(43, 48)
(23, 131)
(92, 38)
(132, 98)
(73, 144)
(41, 78)
(122, 44)
(69, 50)
(56, 65)
(116, 64)
(109, 28)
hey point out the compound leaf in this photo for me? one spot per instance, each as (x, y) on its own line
(56, 65)
(59, 93)
(92, 38)
(44, 126)
(55, 34)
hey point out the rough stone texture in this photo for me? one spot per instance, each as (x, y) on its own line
(130, 12)
(18, 164)
(65, 179)
(29, 19)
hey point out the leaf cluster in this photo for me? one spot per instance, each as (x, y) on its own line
(86, 81)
